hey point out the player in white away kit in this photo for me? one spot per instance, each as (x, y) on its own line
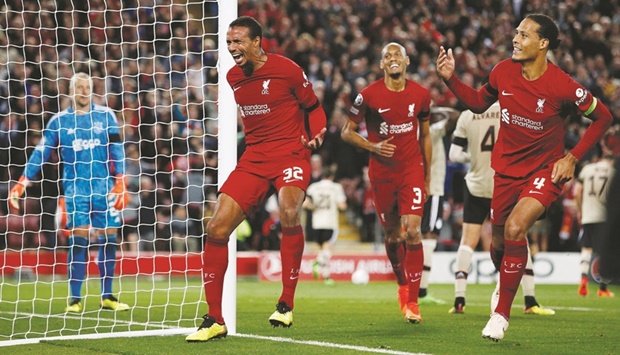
(443, 120)
(474, 138)
(325, 198)
(594, 180)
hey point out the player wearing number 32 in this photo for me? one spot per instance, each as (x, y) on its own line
(273, 96)
(88, 140)
(395, 110)
(529, 161)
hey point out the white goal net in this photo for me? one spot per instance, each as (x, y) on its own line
(154, 63)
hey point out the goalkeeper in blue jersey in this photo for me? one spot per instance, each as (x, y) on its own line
(89, 146)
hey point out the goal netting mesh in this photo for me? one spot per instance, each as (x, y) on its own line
(154, 63)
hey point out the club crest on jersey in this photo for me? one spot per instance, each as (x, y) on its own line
(359, 99)
(411, 110)
(98, 127)
(266, 87)
(540, 108)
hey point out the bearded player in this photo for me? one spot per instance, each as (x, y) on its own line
(273, 96)
(530, 166)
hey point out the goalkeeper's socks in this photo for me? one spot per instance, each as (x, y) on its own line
(215, 258)
(77, 260)
(106, 263)
(414, 263)
(291, 250)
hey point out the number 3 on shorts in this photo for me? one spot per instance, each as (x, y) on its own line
(417, 192)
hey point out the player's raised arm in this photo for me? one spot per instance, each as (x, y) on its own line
(475, 100)
(445, 63)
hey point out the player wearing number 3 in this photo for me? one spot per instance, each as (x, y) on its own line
(89, 145)
(529, 161)
(395, 110)
(273, 96)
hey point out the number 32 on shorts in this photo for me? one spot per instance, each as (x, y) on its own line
(293, 174)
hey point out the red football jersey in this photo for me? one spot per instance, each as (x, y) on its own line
(531, 133)
(393, 114)
(271, 103)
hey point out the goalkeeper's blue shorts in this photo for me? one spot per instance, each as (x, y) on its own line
(94, 210)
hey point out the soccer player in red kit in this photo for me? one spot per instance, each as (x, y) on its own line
(273, 96)
(395, 110)
(529, 161)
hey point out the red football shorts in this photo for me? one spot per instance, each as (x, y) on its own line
(251, 183)
(403, 195)
(507, 191)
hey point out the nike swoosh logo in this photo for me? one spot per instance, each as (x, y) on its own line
(294, 277)
(237, 88)
(511, 271)
(415, 208)
(382, 110)
(208, 282)
(535, 192)
(506, 93)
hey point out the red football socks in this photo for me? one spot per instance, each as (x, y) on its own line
(396, 254)
(414, 263)
(510, 274)
(214, 267)
(291, 250)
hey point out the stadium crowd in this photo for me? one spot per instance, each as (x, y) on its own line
(154, 66)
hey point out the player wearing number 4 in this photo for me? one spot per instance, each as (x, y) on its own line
(88, 140)
(273, 95)
(529, 161)
(473, 142)
(395, 110)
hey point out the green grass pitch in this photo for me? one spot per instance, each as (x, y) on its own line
(342, 319)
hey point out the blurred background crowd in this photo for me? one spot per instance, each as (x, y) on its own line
(154, 63)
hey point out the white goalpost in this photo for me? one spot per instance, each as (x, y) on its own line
(160, 66)
(228, 156)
